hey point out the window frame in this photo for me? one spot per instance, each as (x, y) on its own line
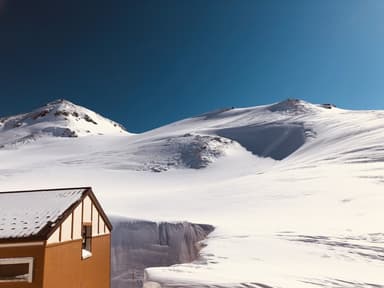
(86, 238)
(15, 261)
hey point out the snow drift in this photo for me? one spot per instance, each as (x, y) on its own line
(138, 244)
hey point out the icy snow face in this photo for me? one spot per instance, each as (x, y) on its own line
(277, 141)
(59, 118)
(138, 244)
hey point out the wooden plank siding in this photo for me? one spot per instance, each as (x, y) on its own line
(64, 267)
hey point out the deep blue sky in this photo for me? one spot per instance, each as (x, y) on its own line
(145, 63)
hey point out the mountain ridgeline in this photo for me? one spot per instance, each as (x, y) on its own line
(279, 131)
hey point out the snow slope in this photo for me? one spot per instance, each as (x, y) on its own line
(294, 189)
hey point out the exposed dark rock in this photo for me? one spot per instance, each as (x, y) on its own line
(290, 105)
(40, 114)
(60, 132)
(328, 106)
(89, 119)
(61, 112)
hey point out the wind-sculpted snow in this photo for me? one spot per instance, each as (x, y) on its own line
(369, 246)
(186, 151)
(158, 155)
(138, 244)
(339, 283)
(201, 285)
(277, 141)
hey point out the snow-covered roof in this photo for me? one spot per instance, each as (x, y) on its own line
(27, 214)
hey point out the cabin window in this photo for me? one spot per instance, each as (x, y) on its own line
(87, 241)
(16, 269)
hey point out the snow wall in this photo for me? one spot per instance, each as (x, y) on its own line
(138, 244)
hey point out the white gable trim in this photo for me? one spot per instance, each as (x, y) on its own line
(70, 227)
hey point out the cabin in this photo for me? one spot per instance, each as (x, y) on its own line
(56, 238)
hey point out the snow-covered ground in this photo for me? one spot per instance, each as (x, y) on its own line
(295, 190)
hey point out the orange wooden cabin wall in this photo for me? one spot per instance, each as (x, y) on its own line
(37, 252)
(64, 267)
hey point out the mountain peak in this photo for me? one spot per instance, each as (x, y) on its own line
(290, 105)
(297, 106)
(59, 118)
(59, 101)
(62, 103)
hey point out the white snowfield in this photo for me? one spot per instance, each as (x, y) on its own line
(294, 189)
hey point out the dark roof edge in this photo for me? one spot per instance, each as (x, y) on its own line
(99, 208)
(50, 189)
(87, 192)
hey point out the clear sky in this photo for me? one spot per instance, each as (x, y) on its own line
(145, 63)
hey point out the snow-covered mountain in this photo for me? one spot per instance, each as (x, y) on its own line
(59, 118)
(294, 189)
(291, 130)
